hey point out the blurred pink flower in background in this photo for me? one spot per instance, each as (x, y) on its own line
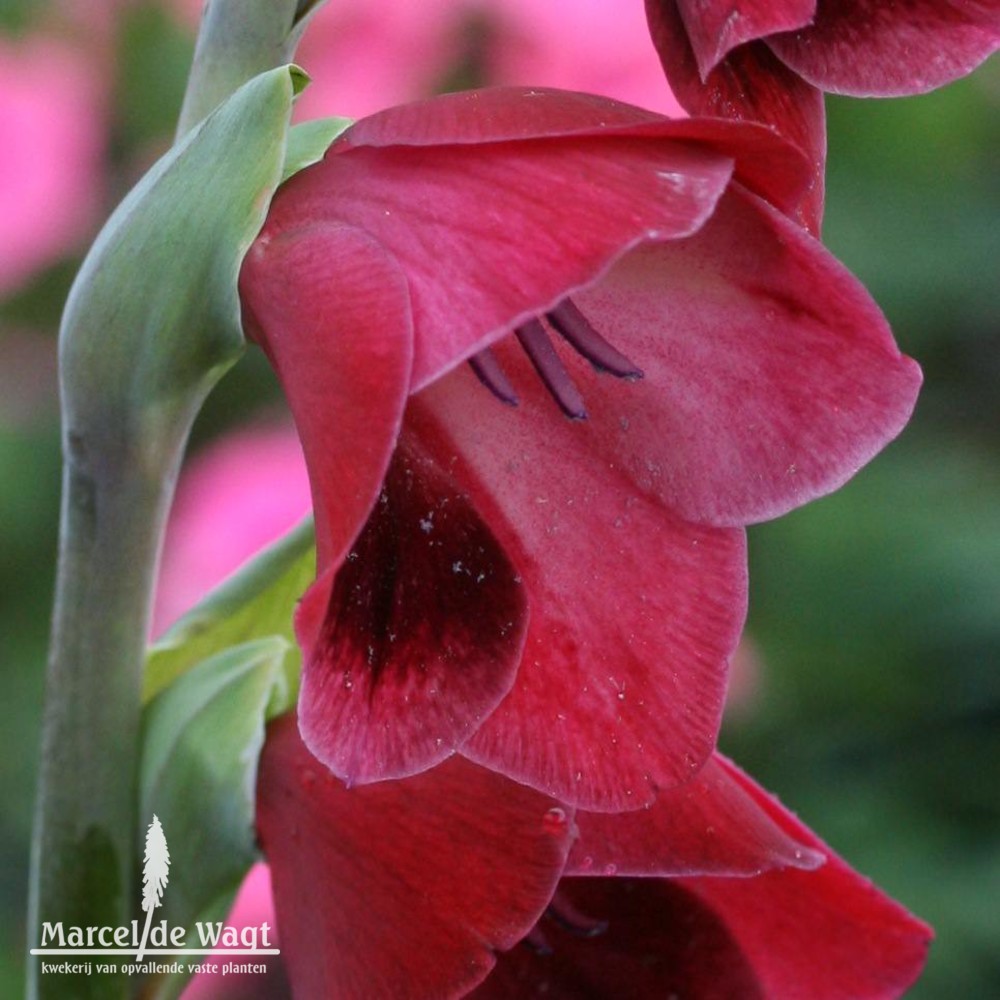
(364, 56)
(235, 497)
(592, 45)
(52, 129)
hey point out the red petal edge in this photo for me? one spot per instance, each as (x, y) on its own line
(332, 311)
(870, 48)
(710, 826)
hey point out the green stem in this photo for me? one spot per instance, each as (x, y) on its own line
(237, 40)
(113, 514)
(130, 394)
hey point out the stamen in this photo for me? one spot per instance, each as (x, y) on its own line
(570, 919)
(567, 320)
(489, 372)
(542, 354)
(537, 941)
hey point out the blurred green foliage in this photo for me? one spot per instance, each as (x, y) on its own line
(876, 611)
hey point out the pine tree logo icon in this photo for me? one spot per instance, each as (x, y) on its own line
(155, 871)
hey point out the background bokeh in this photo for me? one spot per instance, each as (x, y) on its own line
(871, 703)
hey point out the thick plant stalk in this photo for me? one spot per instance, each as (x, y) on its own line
(146, 333)
(113, 514)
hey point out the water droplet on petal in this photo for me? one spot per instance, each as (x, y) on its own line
(555, 822)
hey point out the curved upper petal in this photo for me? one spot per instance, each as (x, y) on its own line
(497, 114)
(490, 234)
(419, 637)
(404, 888)
(749, 84)
(771, 376)
(716, 27)
(332, 311)
(709, 826)
(870, 48)
(634, 612)
(828, 934)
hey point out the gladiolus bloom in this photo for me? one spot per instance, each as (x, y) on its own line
(412, 888)
(770, 60)
(553, 598)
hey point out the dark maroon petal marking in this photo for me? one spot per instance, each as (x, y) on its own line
(567, 320)
(489, 372)
(539, 349)
(421, 636)
(566, 915)
(659, 941)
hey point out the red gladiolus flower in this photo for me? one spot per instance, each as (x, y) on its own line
(553, 598)
(770, 60)
(411, 888)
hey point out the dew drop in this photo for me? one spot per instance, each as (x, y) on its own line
(554, 821)
(611, 870)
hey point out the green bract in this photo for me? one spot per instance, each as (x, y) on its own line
(153, 319)
(308, 141)
(254, 603)
(201, 740)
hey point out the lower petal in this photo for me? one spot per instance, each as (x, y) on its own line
(405, 888)
(634, 612)
(417, 639)
(709, 826)
(827, 934)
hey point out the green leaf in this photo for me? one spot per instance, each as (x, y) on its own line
(309, 141)
(256, 601)
(201, 739)
(153, 318)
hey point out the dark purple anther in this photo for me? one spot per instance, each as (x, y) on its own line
(562, 912)
(489, 372)
(576, 329)
(542, 354)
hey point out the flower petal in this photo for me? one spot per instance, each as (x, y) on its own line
(764, 163)
(827, 934)
(491, 235)
(331, 310)
(420, 636)
(660, 941)
(404, 888)
(771, 376)
(750, 84)
(633, 611)
(496, 114)
(869, 48)
(716, 27)
(710, 826)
